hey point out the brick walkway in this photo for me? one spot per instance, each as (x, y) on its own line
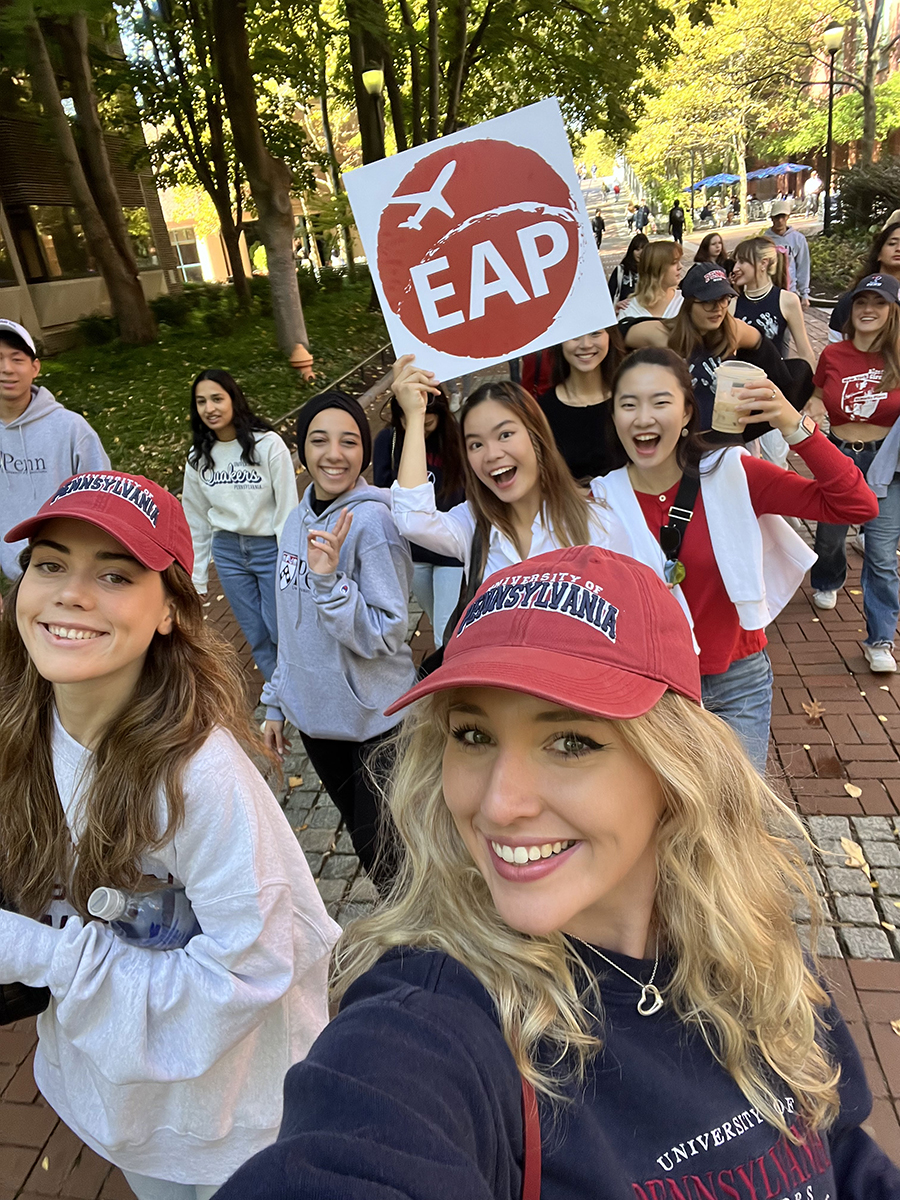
(840, 770)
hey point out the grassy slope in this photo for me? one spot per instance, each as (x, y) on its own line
(136, 397)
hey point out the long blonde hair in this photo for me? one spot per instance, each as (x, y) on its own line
(729, 875)
(190, 684)
(566, 505)
(655, 261)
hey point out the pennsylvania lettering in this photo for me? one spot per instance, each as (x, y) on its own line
(113, 485)
(564, 597)
(785, 1172)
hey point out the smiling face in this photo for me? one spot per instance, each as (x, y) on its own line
(889, 255)
(586, 353)
(87, 610)
(753, 275)
(18, 371)
(334, 453)
(558, 814)
(649, 413)
(215, 409)
(500, 451)
(870, 312)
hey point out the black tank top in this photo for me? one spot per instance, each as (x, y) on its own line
(765, 315)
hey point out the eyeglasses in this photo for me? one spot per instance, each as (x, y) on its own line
(713, 306)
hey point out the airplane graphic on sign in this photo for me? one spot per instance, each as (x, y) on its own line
(496, 257)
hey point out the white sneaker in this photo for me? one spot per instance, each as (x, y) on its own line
(857, 541)
(880, 658)
(824, 599)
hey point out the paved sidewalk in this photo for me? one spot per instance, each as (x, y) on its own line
(840, 769)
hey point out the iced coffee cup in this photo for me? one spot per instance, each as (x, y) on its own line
(730, 378)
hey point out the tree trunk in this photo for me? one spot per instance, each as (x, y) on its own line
(269, 177)
(136, 323)
(434, 69)
(415, 78)
(364, 53)
(740, 149)
(457, 66)
(870, 113)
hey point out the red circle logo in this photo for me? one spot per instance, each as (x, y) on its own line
(478, 248)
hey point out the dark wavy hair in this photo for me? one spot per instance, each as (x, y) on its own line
(871, 265)
(562, 368)
(447, 439)
(246, 423)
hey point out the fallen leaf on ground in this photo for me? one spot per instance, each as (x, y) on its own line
(854, 591)
(295, 781)
(888, 925)
(814, 710)
(883, 687)
(895, 1025)
(855, 856)
(852, 790)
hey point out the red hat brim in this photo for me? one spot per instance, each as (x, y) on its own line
(578, 683)
(148, 552)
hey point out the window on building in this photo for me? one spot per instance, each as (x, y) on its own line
(184, 243)
(7, 274)
(62, 241)
(138, 223)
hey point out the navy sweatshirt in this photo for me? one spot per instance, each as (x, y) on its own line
(411, 1093)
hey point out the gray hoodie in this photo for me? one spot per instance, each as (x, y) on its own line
(798, 249)
(342, 652)
(38, 450)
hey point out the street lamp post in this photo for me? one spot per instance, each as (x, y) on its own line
(832, 38)
(373, 82)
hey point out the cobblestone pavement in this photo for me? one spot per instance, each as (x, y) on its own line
(840, 770)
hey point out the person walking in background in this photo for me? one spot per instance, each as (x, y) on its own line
(676, 222)
(883, 259)
(641, 217)
(41, 442)
(239, 487)
(436, 577)
(344, 578)
(796, 245)
(127, 751)
(584, 369)
(598, 225)
(624, 277)
(858, 388)
(591, 957)
(629, 217)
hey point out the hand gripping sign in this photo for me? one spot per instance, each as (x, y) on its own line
(479, 244)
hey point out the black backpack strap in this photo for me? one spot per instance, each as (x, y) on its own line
(672, 534)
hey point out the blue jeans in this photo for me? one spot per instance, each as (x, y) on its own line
(437, 591)
(742, 697)
(880, 580)
(246, 569)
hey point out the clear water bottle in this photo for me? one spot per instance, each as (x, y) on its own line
(161, 919)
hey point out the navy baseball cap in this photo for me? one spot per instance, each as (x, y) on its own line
(706, 281)
(882, 285)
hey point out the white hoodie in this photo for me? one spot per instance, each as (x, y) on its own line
(170, 1063)
(38, 450)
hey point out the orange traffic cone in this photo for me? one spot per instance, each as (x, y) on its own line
(302, 361)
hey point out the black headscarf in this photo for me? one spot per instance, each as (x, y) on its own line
(334, 400)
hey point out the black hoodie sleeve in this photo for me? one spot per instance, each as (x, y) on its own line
(407, 1095)
(382, 469)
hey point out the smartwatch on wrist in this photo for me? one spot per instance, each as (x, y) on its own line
(804, 430)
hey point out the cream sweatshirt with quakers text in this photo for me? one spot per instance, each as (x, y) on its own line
(238, 497)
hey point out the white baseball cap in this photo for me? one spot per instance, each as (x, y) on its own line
(782, 208)
(20, 331)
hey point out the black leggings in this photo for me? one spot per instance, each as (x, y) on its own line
(342, 768)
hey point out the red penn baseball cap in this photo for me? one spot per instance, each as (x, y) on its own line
(588, 628)
(144, 517)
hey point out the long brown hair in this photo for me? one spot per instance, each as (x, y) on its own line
(684, 338)
(565, 504)
(872, 265)
(190, 685)
(887, 344)
(616, 351)
(655, 261)
(703, 254)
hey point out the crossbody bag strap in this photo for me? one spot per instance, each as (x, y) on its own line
(531, 1144)
(672, 534)
(471, 581)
